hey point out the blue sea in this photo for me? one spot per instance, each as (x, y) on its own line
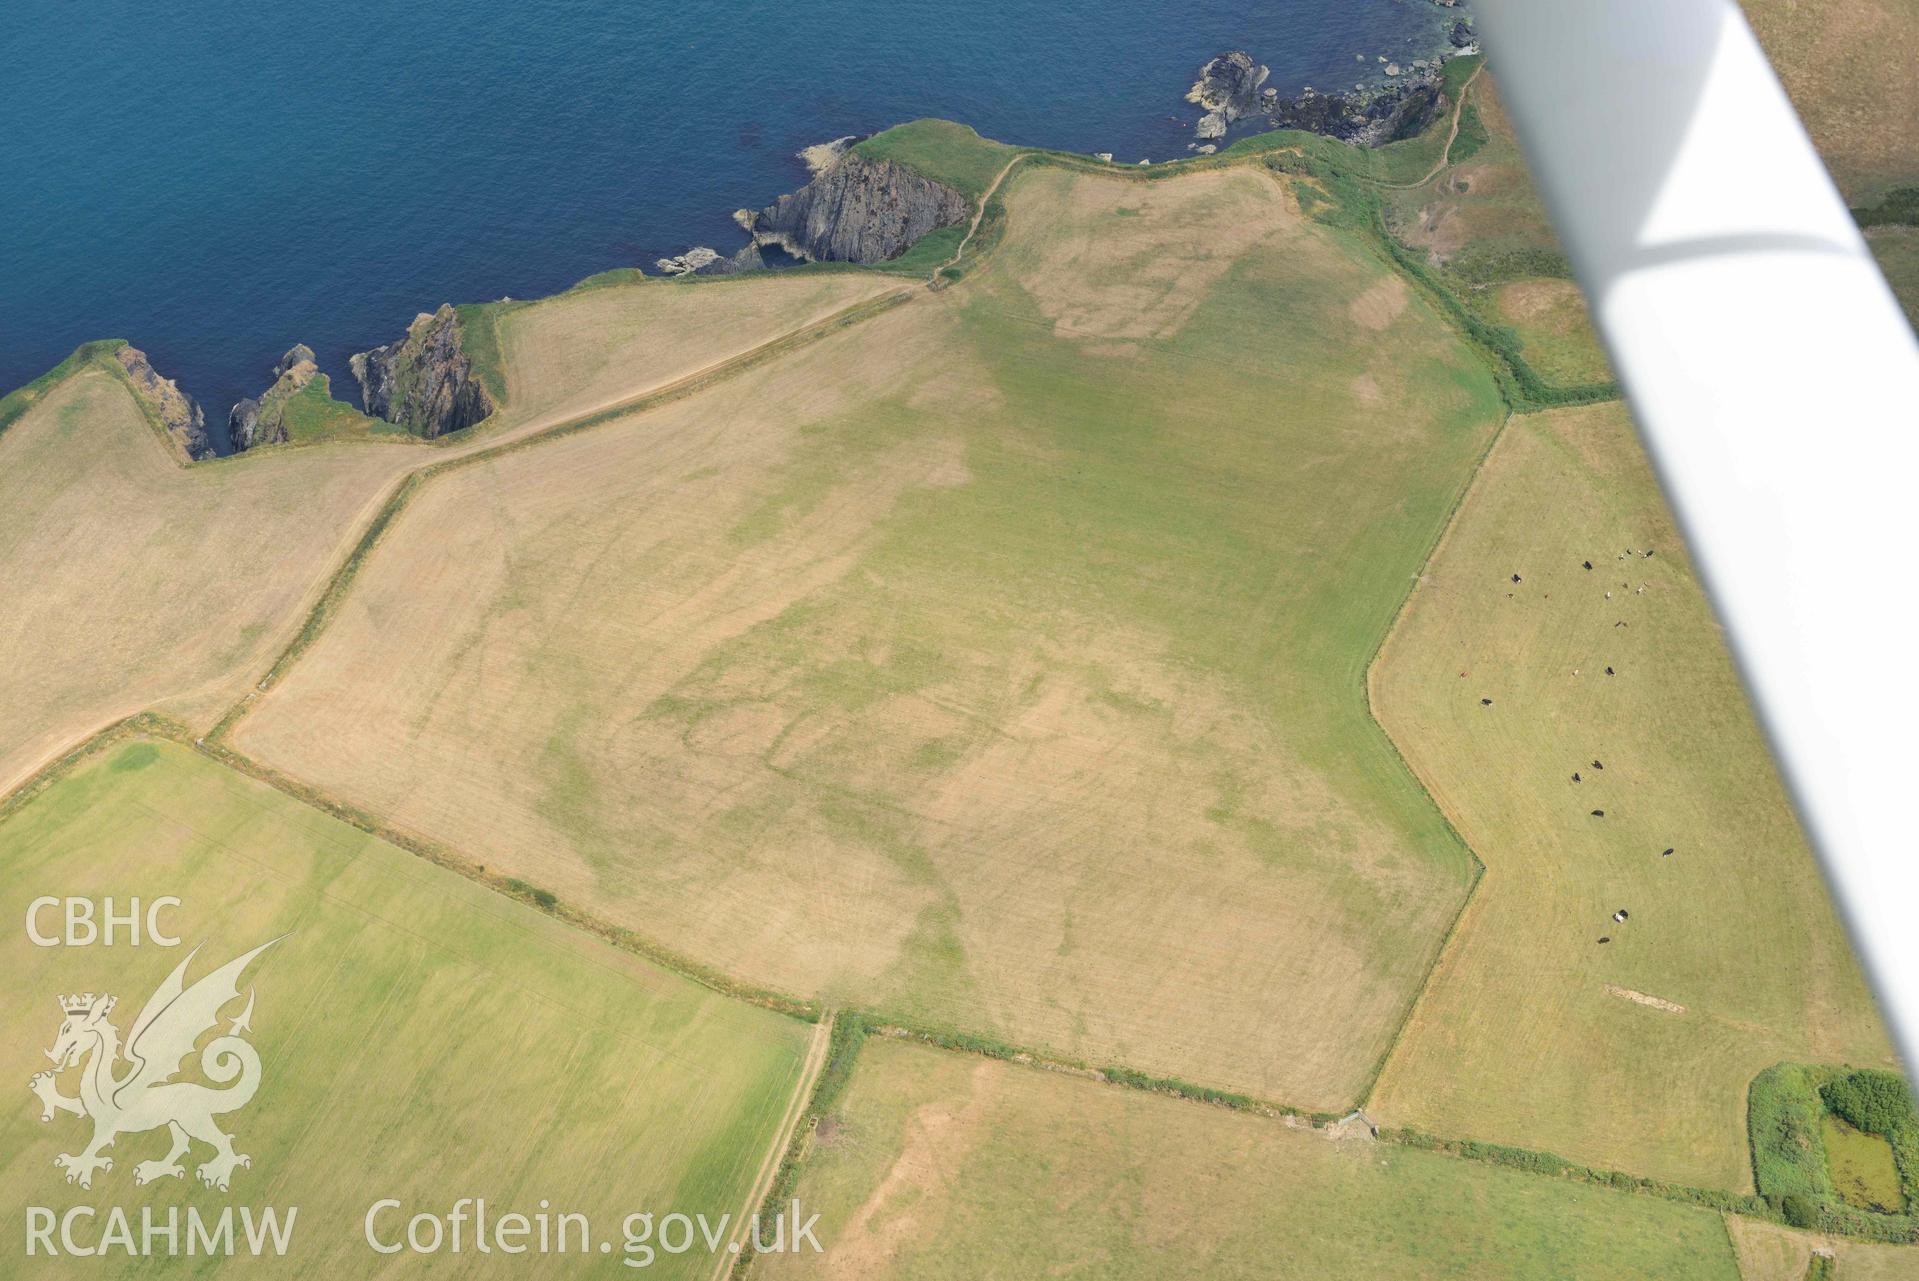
(215, 181)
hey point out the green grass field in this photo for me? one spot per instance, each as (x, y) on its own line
(942, 150)
(1633, 1054)
(942, 1165)
(313, 416)
(421, 1037)
(1863, 1171)
(997, 663)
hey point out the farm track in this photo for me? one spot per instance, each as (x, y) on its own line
(725, 1262)
(1452, 136)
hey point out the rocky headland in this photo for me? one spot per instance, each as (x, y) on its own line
(425, 382)
(855, 210)
(178, 414)
(252, 422)
(1228, 89)
(1232, 87)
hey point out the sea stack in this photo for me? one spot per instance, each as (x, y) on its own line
(1228, 88)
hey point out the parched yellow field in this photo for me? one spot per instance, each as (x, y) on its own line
(937, 1165)
(1847, 65)
(420, 1038)
(1633, 1054)
(130, 581)
(600, 344)
(1768, 1252)
(998, 662)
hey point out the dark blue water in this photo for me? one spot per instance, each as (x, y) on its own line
(217, 180)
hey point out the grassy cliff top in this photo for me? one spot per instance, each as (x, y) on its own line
(947, 152)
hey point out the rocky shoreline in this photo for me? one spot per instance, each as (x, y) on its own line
(855, 209)
(865, 211)
(1232, 87)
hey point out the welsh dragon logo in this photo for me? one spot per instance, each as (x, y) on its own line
(143, 1096)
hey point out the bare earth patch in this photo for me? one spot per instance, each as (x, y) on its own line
(1650, 1002)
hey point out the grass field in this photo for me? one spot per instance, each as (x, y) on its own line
(998, 663)
(594, 346)
(1897, 249)
(1634, 1054)
(1768, 1252)
(1847, 66)
(131, 581)
(1482, 225)
(943, 1165)
(942, 150)
(421, 1038)
(313, 416)
(1862, 1167)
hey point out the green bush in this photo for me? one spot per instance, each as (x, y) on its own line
(1871, 1100)
(1800, 1210)
(545, 898)
(1900, 208)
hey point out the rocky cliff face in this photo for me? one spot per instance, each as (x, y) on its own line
(1366, 118)
(263, 422)
(857, 210)
(178, 413)
(424, 382)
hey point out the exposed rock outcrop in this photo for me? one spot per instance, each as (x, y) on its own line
(1369, 118)
(425, 382)
(857, 210)
(298, 354)
(253, 423)
(178, 414)
(1228, 88)
(822, 156)
(696, 259)
(1233, 87)
(703, 261)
